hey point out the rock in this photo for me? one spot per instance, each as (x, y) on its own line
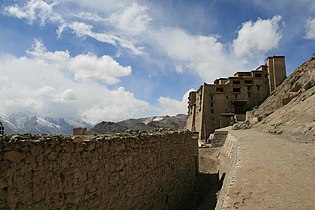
(290, 105)
(14, 156)
(77, 139)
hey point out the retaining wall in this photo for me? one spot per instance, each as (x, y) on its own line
(226, 166)
(151, 171)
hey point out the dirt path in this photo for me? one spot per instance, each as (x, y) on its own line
(272, 172)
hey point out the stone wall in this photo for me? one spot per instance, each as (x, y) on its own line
(150, 171)
(227, 162)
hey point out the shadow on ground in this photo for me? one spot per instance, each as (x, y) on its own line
(205, 192)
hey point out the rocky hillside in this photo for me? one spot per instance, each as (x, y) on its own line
(142, 124)
(291, 107)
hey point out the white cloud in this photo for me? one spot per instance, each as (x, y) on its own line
(122, 105)
(34, 9)
(310, 29)
(169, 106)
(82, 29)
(41, 10)
(89, 16)
(132, 19)
(102, 5)
(179, 69)
(203, 54)
(257, 38)
(91, 68)
(85, 67)
(209, 58)
(42, 83)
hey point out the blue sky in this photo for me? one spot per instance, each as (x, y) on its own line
(112, 60)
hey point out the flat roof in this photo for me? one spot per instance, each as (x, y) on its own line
(276, 56)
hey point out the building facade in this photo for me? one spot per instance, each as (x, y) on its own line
(216, 105)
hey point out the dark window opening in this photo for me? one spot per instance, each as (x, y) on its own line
(211, 110)
(226, 97)
(219, 89)
(248, 94)
(236, 90)
(258, 88)
(248, 81)
(258, 75)
(211, 104)
(211, 97)
(236, 96)
(236, 82)
(248, 88)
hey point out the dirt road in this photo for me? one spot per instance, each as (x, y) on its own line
(272, 172)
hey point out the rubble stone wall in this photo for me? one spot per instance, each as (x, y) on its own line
(150, 171)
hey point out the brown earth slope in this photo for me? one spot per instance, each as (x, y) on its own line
(291, 107)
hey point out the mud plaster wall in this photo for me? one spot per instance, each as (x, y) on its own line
(152, 171)
(227, 162)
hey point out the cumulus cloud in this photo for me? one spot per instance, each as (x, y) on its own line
(91, 68)
(310, 29)
(132, 19)
(85, 67)
(204, 55)
(41, 82)
(170, 106)
(210, 58)
(122, 105)
(256, 38)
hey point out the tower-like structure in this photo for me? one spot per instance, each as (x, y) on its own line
(276, 71)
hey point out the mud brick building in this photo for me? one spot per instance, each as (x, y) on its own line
(217, 105)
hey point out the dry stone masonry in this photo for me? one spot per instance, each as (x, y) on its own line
(146, 171)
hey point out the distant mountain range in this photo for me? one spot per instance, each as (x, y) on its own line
(28, 122)
(141, 124)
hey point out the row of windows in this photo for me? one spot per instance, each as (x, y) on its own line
(235, 90)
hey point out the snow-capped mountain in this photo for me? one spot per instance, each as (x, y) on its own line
(29, 122)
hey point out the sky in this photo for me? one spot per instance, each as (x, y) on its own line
(110, 60)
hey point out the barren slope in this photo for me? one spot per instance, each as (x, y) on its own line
(291, 107)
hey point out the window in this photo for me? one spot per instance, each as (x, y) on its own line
(226, 97)
(248, 94)
(212, 111)
(211, 104)
(248, 88)
(248, 81)
(235, 96)
(258, 75)
(236, 82)
(211, 97)
(219, 89)
(236, 90)
(257, 87)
